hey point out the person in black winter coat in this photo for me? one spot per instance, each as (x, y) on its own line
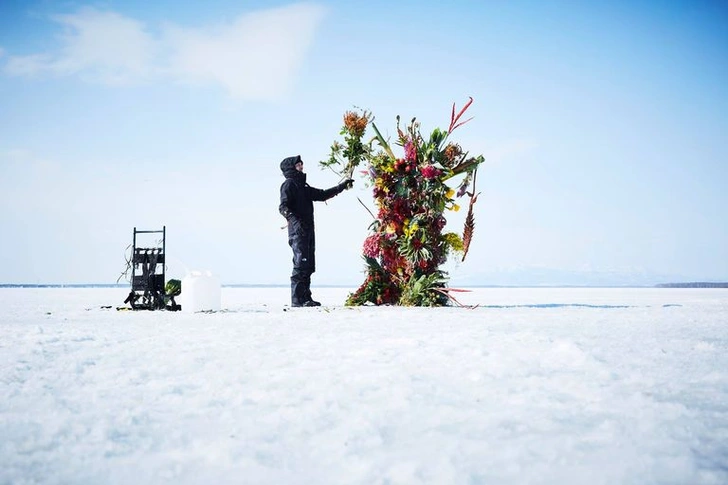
(296, 206)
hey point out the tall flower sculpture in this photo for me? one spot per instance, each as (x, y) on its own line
(407, 243)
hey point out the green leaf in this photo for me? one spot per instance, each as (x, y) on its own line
(383, 143)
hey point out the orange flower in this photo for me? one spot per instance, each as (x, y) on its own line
(452, 152)
(355, 123)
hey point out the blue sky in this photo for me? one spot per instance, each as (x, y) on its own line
(603, 125)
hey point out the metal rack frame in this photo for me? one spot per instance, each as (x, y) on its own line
(148, 273)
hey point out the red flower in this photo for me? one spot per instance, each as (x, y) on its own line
(431, 172)
(371, 246)
(401, 165)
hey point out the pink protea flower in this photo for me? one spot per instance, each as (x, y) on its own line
(430, 171)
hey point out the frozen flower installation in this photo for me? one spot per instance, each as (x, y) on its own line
(407, 244)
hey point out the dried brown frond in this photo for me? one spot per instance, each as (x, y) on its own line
(470, 219)
(356, 123)
(468, 230)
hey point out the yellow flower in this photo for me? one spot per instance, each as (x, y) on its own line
(410, 229)
(454, 241)
(380, 184)
(450, 193)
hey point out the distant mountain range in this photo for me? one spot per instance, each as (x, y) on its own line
(550, 277)
(697, 284)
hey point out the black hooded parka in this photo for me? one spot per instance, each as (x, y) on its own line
(296, 206)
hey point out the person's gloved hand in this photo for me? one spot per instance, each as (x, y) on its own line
(347, 184)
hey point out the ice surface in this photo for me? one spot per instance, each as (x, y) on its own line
(534, 386)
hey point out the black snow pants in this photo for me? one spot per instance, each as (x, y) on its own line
(302, 240)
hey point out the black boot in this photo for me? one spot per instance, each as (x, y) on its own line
(308, 303)
(301, 288)
(308, 298)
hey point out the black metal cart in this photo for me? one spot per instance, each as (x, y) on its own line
(148, 272)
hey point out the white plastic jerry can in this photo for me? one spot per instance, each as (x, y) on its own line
(200, 292)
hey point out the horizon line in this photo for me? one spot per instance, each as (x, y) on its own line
(714, 284)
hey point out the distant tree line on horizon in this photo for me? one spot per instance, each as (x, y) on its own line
(696, 284)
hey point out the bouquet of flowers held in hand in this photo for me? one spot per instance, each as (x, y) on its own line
(407, 243)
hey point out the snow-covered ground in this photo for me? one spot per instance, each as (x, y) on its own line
(534, 386)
